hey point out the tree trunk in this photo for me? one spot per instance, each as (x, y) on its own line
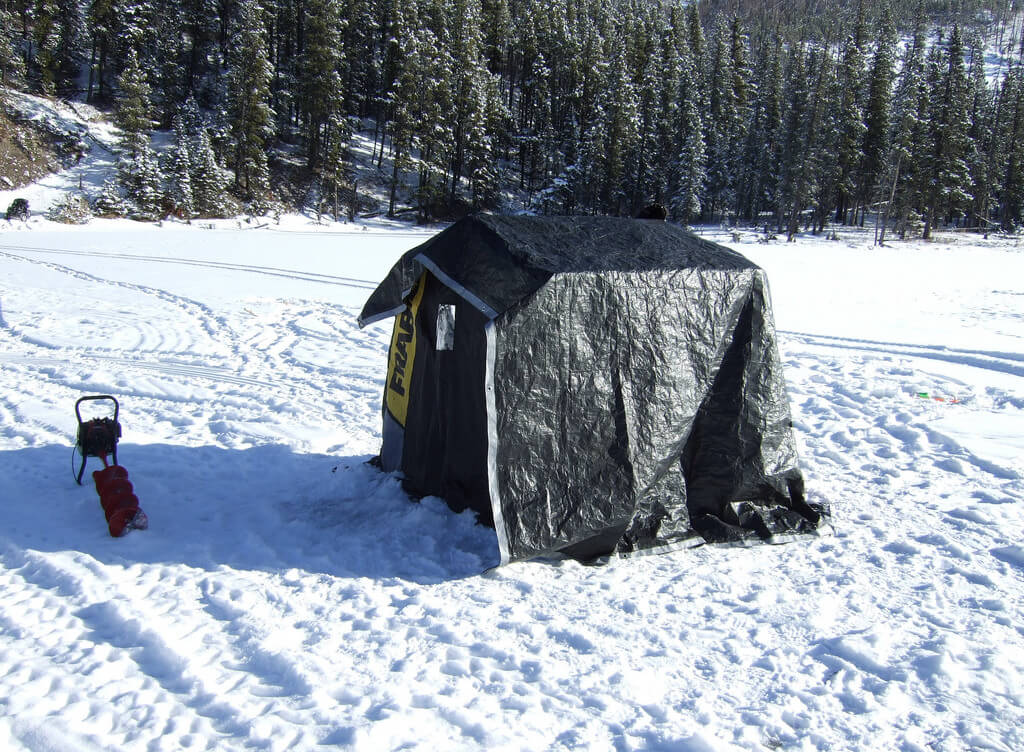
(92, 70)
(888, 205)
(929, 219)
(394, 186)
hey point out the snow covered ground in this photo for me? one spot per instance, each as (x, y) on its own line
(287, 596)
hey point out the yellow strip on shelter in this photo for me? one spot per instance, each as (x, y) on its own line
(402, 356)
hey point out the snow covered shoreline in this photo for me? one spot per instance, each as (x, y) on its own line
(263, 609)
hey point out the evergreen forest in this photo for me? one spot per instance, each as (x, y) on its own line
(791, 116)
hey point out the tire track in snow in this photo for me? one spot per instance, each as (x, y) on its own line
(270, 271)
(11, 419)
(208, 321)
(239, 401)
(30, 428)
(260, 384)
(316, 348)
(269, 355)
(216, 328)
(200, 372)
(1004, 362)
(342, 233)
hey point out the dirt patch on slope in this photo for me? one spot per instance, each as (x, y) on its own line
(27, 152)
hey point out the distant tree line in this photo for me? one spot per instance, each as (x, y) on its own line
(791, 116)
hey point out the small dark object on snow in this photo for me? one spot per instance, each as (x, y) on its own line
(653, 211)
(18, 209)
(98, 438)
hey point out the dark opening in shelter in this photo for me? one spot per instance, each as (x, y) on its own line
(589, 385)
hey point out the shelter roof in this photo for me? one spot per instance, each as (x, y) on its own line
(497, 261)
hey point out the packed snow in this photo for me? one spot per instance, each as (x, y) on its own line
(287, 595)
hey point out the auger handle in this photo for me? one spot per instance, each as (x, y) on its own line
(78, 413)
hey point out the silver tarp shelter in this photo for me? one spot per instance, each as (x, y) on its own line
(589, 385)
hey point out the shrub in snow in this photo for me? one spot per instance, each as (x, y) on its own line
(73, 209)
(18, 209)
(179, 197)
(208, 181)
(912, 225)
(110, 202)
(140, 177)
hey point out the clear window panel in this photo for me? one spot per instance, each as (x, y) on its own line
(446, 327)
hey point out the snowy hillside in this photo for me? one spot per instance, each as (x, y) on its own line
(288, 596)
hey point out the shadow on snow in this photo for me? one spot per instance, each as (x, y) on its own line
(265, 508)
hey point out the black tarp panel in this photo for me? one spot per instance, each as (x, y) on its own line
(445, 448)
(740, 460)
(564, 453)
(598, 450)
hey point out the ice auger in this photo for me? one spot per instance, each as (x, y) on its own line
(98, 437)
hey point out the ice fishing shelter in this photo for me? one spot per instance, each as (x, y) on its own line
(589, 385)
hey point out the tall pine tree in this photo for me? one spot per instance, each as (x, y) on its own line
(904, 160)
(103, 24)
(179, 171)
(688, 160)
(249, 113)
(948, 142)
(850, 129)
(322, 92)
(878, 115)
(470, 144)
(138, 169)
(46, 39)
(982, 116)
(12, 65)
(721, 116)
(208, 182)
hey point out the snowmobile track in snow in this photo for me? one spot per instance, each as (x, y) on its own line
(270, 271)
(1004, 362)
